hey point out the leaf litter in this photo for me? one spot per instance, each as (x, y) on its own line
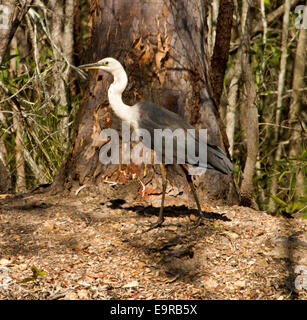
(77, 248)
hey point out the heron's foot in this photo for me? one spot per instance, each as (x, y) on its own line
(157, 224)
(198, 221)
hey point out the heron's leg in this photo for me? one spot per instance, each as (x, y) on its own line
(190, 181)
(164, 185)
(200, 213)
(160, 220)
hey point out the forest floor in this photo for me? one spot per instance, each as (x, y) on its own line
(94, 250)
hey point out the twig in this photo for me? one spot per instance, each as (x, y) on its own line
(79, 189)
(26, 124)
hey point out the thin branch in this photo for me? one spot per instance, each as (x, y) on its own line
(273, 16)
(27, 126)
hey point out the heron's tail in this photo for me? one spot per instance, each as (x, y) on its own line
(217, 160)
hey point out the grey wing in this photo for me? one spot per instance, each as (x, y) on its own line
(155, 117)
(162, 117)
(217, 159)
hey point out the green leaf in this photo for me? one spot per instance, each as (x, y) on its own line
(281, 176)
(9, 57)
(279, 201)
(35, 273)
(292, 183)
(27, 279)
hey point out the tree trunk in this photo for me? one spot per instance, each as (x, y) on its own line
(213, 11)
(5, 177)
(20, 162)
(250, 119)
(162, 46)
(62, 45)
(280, 90)
(283, 62)
(296, 145)
(232, 104)
(10, 17)
(8, 10)
(221, 49)
(220, 58)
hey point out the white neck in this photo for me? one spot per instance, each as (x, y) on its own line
(115, 95)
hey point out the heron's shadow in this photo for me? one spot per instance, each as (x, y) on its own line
(169, 211)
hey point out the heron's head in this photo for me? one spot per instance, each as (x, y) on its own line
(110, 65)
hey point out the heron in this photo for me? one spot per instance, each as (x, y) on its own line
(149, 116)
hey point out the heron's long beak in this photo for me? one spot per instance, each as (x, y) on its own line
(90, 66)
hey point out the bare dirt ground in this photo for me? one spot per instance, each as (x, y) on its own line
(89, 249)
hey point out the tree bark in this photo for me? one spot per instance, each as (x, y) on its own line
(220, 58)
(233, 104)
(213, 11)
(250, 123)
(221, 49)
(8, 11)
(19, 159)
(11, 18)
(296, 145)
(163, 48)
(5, 177)
(20, 162)
(283, 62)
(280, 90)
(62, 45)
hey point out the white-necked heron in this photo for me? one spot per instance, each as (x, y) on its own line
(149, 116)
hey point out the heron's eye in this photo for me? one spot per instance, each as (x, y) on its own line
(106, 63)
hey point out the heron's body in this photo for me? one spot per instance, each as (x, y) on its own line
(152, 116)
(149, 116)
